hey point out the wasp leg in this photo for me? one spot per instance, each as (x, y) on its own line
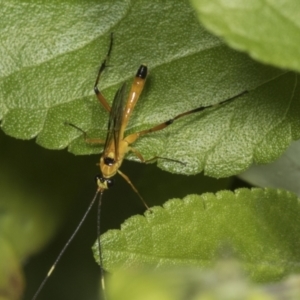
(99, 95)
(134, 188)
(86, 139)
(134, 136)
(153, 159)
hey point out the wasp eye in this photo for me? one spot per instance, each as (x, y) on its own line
(109, 161)
(110, 182)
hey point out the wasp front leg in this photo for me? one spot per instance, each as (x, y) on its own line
(103, 66)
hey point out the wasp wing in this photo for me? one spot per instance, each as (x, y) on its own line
(115, 120)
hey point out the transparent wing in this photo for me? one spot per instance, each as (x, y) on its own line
(115, 119)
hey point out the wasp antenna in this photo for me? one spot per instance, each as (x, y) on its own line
(99, 245)
(65, 247)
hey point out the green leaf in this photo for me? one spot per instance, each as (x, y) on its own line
(268, 30)
(253, 225)
(47, 78)
(225, 281)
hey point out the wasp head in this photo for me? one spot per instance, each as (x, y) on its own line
(104, 183)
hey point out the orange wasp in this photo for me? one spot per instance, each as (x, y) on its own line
(117, 145)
